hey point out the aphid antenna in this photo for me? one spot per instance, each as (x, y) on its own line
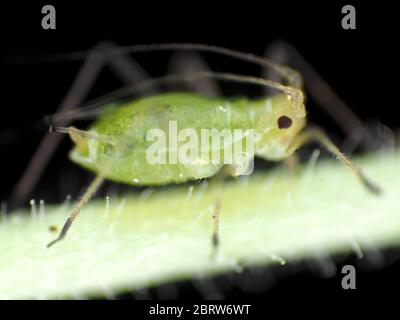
(292, 76)
(91, 109)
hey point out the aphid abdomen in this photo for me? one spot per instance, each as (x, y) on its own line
(157, 122)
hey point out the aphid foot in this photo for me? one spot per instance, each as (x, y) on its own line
(372, 187)
(62, 233)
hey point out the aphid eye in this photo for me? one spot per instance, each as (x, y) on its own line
(284, 122)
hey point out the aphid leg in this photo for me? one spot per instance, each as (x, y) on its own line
(292, 162)
(284, 53)
(317, 135)
(124, 66)
(215, 241)
(90, 191)
(83, 82)
(191, 63)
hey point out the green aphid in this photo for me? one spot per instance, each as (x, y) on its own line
(115, 146)
(275, 120)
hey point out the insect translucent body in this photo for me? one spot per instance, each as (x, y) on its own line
(115, 145)
(127, 125)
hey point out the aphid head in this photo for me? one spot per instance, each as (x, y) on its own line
(280, 119)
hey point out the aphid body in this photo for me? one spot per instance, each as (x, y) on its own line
(276, 120)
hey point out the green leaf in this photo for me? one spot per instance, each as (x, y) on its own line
(164, 235)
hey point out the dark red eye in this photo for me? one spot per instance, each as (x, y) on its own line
(284, 122)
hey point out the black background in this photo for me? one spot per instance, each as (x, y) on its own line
(359, 64)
